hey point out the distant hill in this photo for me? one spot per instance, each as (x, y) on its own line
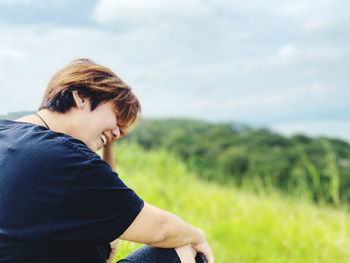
(15, 115)
(226, 151)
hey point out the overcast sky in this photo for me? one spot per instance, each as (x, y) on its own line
(280, 64)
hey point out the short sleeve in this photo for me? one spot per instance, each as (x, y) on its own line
(98, 207)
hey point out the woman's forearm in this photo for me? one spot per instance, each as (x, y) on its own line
(178, 233)
(160, 228)
(108, 154)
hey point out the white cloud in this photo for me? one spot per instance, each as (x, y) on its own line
(316, 90)
(315, 128)
(30, 3)
(7, 52)
(317, 24)
(297, 56)
(319, 89)
(296, 8)
(306, 9)
(287, 54)
(13, 2)
(131, 11)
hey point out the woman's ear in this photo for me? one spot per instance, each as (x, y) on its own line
(78, 99)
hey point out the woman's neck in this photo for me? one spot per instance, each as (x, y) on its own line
(56, 121)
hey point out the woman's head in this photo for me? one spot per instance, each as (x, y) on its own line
(94, 82)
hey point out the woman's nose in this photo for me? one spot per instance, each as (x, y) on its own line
(116, 133)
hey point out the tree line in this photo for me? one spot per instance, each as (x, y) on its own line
(231, 152)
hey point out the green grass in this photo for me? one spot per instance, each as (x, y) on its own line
(241, 225)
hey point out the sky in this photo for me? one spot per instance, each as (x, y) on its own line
(265, 63)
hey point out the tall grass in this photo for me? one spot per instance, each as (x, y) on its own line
(332, 172)
(241, 225)
(327, 191)
(314, 174)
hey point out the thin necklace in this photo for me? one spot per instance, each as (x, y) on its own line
(47, 126)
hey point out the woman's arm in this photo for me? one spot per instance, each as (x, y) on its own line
(160, 228)
(108, 154)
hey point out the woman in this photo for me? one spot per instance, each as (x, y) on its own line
(59, 200)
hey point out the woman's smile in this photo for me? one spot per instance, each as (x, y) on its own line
(104, 139)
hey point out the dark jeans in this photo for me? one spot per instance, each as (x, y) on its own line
(147, 254)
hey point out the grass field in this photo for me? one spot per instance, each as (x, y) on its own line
(241, 225)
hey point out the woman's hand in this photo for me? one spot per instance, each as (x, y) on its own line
(108, 151)
(205, 249)
(108, 154)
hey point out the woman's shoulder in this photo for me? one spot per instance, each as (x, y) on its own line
(39, 140)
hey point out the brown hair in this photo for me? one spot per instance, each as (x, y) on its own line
(93, 81)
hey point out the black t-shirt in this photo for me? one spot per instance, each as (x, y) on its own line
(59, 201)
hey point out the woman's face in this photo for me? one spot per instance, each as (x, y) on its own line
(98, 127)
